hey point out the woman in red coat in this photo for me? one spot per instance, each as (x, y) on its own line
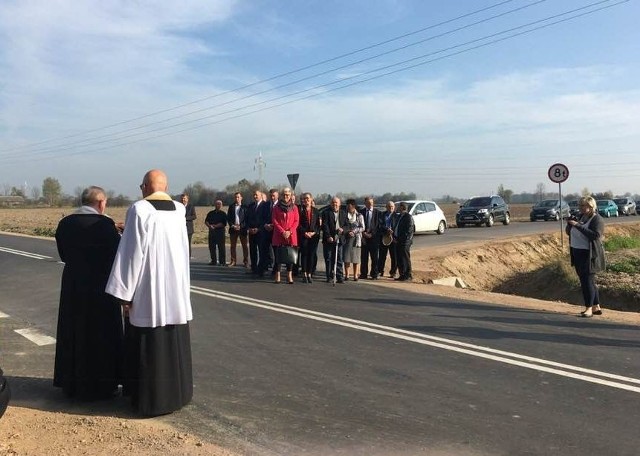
(285, 219)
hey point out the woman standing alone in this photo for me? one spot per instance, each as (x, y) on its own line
(587, 253)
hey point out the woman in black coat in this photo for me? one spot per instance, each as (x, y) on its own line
(308, 236)
(587, 255)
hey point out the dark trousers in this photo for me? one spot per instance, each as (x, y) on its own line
(308, 254)
(216, 246)
(254, 251)
(370, 250)
(382, 258)
(403, 253)
(329, 253)
(189, 236)
(587, 278)
(265, 252)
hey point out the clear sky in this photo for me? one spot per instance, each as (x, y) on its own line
(98, 92)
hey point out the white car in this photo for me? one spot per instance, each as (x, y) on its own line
(427, 216)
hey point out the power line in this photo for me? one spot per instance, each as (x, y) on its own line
(272, 78)
(118, 135)
(405, 68)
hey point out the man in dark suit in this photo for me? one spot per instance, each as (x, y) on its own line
(265, 254)
(216, 221)
(190, 216)
(334, 219)
(253, 220)
(236, 218)
(387, 224)
(403, 236)
(370, 239)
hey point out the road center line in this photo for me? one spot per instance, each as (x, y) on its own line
(515, 359)
(36, 256)
(36, 336)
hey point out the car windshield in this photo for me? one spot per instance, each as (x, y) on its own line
(548, 203)
(621, 201)
(573, 203)
(602, 203)
(478, 202)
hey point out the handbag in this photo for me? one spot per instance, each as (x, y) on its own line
(287, 254)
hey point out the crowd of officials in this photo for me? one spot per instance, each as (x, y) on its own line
(276, 233)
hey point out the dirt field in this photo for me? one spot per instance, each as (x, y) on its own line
(43, 221)
(509, 266)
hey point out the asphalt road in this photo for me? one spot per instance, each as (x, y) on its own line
(358, 369)
(455, 236)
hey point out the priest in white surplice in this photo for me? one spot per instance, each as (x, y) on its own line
(150, 275)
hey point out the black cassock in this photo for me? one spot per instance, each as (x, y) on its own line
(89, 344)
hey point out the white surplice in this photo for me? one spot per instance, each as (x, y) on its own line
(151, 268)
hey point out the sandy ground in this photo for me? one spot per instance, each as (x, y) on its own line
(28, 431)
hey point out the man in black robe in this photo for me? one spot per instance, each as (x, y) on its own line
(89, 342)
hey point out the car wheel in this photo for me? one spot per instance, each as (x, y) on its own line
(616, 214)
(557, 217)
(507, 219)
(532, 219)
(490, 220)
(608, 214)
(441, 227)
(461, 225)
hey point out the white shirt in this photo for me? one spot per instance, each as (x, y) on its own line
(151, 268)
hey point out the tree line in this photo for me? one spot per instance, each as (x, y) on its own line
(51, 194)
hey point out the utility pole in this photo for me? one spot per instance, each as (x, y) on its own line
(260, 165)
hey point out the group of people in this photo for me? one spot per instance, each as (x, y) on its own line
(125, 303)
(125, 297)
(275, 232)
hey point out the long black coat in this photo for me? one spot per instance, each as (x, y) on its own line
(89, 345)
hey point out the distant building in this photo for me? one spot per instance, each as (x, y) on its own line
(11, 201)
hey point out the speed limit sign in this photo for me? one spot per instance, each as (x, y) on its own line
(558, 173)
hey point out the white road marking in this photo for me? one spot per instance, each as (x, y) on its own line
(3, 315)
(529, 362)
(36, 256)
(36, 336)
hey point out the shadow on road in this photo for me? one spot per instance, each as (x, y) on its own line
(40, 394)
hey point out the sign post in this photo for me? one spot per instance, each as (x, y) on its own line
(559, 173)
(293, 180)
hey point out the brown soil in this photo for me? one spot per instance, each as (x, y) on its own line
(513, 266)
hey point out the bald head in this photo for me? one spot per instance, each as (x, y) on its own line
(154, 181)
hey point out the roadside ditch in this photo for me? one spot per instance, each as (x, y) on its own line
(536, 267)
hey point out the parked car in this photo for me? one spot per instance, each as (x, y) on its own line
(607, 208)
(549, 210)
(485, 210)
(637, 207)
(427, 216)
(574, 208)
(626, 206)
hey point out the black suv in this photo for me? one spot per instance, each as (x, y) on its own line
(483, 210)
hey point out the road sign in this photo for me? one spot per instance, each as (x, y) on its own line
(558, 173)
(293, 180)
